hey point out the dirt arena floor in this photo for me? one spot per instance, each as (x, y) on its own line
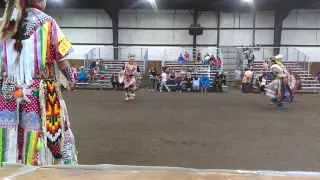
(214, 131)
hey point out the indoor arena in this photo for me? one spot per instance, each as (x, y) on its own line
(159, 89)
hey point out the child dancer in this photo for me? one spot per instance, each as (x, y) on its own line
(131, 70)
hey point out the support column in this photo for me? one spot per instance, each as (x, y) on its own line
(115, 33)
(114, 15)
(194, 44)
(254, 14)
(218, 33)
(282, 11)
(218, 29)
(277, 31)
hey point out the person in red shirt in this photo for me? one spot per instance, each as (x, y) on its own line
(186, 56)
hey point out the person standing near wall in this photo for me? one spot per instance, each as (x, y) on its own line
(237, 74)
(152, 78)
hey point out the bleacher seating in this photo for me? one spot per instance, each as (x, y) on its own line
(308, 82)
(113, 66)
(202, 70)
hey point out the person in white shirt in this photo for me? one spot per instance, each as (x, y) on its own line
(164, 78)
(196, 83)
(121, 80)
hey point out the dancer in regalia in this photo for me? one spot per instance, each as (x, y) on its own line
(34, 123)
(283, 85)
(131, 71)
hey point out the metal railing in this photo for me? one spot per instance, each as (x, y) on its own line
(302, 60)
(172, 54)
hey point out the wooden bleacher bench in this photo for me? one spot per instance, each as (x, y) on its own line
(113, 66)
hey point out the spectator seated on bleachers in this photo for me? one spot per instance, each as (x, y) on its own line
(199, 58)
(171, 76)
(212, 61)
(206, 59)
(82, 78)
(187, 56)
(181, 59)
(188, 82)
(114, 81)
(223, 79)
(92, 75)
(218, 63)
(102, 67)
(178, 83)
(93, 65)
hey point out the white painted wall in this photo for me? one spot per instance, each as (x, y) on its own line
(311, 52)
(88, 21)
(145, 18)
(132, 36)
(239, 37)
(303, 19)
(150, 19)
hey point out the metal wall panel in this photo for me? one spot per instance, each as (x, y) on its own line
(208, 37)
(235, 37)
(299, 37)
(265, 19)
(302, 19)
(81, 18)
(93, 36)
(246, 20)
(154, 37)
(264, 37)
(229, 20)
(150, 19)
(208, 20)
